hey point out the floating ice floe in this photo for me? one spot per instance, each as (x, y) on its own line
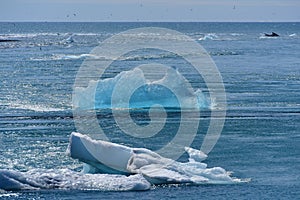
(106, 157)
(113, 167)
(69, 179)
(101, 94)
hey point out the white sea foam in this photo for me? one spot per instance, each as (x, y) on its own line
(67, 57)
(4, 194)
(27, 35)
(209, 36)
(220, 36)
(93, 56)
(32, 35)
(34, 107)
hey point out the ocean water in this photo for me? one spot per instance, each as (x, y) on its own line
(259, 141)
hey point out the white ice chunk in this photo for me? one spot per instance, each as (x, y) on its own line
(68, 179)
(108, 157)
(105, 156)
(195, 155)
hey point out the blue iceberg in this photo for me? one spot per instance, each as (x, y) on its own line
(135, 89)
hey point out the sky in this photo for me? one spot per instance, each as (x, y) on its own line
(150, 10)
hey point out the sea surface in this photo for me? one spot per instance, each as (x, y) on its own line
(261, 135)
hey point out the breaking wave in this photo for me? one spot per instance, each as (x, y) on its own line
(220, 36)
(93, 56)
(209, 36)
(35, 107)
(32, 35)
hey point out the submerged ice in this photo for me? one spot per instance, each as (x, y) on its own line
(68, 179)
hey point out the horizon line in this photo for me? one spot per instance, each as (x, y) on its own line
(149, 21)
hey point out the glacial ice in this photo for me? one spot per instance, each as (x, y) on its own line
(68, 179)
(171, 91)
(113, 167)
(106, 157)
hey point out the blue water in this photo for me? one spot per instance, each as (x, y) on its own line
(260, 139)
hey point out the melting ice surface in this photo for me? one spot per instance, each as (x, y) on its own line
(114, 167)
(68, 179)
(106, 157)
(171, 91)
